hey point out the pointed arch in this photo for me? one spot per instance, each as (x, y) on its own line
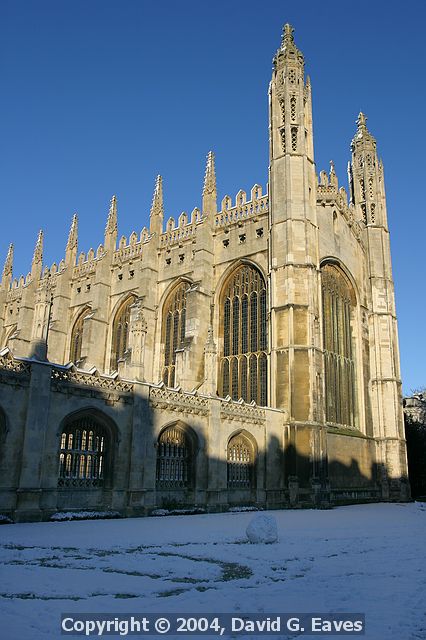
(76, 342)
(241, 461)
(120, 331)
(86, 450)
(173, 329)
(176, 450)
(243, 335)
(339, 303)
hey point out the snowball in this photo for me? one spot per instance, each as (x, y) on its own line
(262, 529)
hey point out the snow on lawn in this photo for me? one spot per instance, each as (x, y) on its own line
(365, 558)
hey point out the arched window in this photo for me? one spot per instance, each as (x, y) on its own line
(84, 454)
(120, 333)
(338, 304)
(77, 336)
(174, 459)
(240, 462)
(174, 316)
(243, 320)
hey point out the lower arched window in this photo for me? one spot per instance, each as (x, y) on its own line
(174, 459)
(84, 453)
(240, 462)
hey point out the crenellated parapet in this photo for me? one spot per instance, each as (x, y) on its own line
(185, 230)
(329, 193)
(243, 209)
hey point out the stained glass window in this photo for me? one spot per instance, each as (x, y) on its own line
(174, 317)
(243, 363)
(338, 302)
(120, 333)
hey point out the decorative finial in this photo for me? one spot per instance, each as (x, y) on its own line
(73, 234)
(157, 207)
(287, 36)
(362, 121)
(38, 251)
(111, 225)
(333, 177)
(210, 175)
(8, 265)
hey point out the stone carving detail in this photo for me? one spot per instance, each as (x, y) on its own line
(8, 363)
(242, 411)
(92, 379)
(163, 398)
(13, 372)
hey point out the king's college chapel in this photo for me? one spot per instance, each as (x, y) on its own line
(246, 354)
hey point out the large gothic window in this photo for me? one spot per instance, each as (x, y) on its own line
(174, 459)
(243, 321)
(77, 336)
(120, 333)
(84, 453)
(174, 316)
(240, 462)
(338, 301)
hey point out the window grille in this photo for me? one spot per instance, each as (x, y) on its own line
(83, 447)
(338, 301)
(240, 463)
(243, 363)
(174, 317)
(120, 333)
(173, 459)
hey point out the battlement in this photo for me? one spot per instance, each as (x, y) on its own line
(183, 231)
(328, 192)
(243, 208)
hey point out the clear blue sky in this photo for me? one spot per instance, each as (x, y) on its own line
(99, 96)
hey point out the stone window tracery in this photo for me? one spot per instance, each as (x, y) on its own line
(174, 318)
(243, 364)
(120, 333)
(293, 108)
(174, 459)
(283, 144)
(77, 336)
(294, 138)
(292, 76)
(84, 447)
(240, 462)
(338, 302)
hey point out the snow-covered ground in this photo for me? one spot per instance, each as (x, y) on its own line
(367, 558)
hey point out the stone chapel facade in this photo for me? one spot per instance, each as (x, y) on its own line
(244, 355)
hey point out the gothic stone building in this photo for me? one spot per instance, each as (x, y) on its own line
(246, 354)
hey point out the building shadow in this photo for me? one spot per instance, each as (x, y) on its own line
(73, 440)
